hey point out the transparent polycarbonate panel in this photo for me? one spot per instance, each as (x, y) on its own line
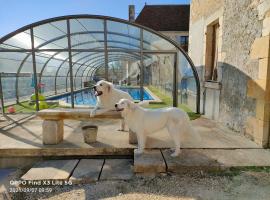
(61, 77)
(10, 62)
(121, 35)
(48, 64)
(9, 88)
(87, 33)
(187, 89)
(120, 68)
(51, 35)
(158, 76)
(21, 40)
(152, 41)
(26, 84)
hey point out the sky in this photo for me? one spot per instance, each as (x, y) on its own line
(17, 13)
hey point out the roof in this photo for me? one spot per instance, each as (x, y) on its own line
(165, 17)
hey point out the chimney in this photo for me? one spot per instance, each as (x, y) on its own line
(131, 13)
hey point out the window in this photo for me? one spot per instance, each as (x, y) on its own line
(183, 41)
(211, 54)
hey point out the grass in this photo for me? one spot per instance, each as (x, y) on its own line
(235, 171)
(168, 101)
(25, 107)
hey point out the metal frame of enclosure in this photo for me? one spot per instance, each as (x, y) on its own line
(94, 57)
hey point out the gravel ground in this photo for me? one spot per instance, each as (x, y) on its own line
(248, 185)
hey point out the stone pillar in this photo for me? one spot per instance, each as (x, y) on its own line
(52, 131)
(258, 127)
(132, 137)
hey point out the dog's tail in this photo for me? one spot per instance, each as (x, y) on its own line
(143, 103)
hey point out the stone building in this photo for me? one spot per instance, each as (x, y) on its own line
(229, 44)
(170, 20)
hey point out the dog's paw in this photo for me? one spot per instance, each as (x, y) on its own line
(138, 151)
(93, 113)
(175, 153)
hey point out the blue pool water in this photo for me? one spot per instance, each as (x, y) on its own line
(87, 97)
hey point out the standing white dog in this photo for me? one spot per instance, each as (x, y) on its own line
(107, 97)
(145, 121)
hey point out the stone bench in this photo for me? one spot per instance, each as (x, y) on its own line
(53, 125)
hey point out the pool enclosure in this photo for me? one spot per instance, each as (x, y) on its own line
(64, 55)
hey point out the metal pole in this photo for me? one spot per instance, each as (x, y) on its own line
(70, 64)
(175, 81)
(34, 67)
(106, 50)
(2, 96)
(142, 66)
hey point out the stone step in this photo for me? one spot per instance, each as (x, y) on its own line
(88, 170)
(216, 159)
(51, 170)
(157, 161)
(151, 161)
(117, 169)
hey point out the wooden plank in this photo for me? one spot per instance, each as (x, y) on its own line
(75, 114)
(117, 169)
(51, 170)
(87, 170)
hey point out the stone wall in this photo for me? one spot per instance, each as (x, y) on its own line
(243, 62)
(241, 26)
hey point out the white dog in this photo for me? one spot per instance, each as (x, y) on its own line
(107, 97)
(145, 121)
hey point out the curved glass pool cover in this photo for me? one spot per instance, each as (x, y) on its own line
(68, 53)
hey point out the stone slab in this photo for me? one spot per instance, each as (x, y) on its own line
(117, 169)
(87, 170)
(216, 159)
(151, 161)
(75, 114)
(51, 170)
(189, 159)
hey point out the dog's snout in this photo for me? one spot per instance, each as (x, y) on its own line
(94, 87)
(115, 105)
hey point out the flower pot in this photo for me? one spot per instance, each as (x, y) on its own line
(90, 133)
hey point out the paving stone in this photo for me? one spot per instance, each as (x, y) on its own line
(151, 161)
(87, 170)
(117, 169)
(190, 159)
(51, 170)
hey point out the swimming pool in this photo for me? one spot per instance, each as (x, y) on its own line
(87, 97)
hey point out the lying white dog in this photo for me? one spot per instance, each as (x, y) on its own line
(107, 97)
(145, 121)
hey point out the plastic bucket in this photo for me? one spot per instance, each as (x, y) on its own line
(90, 133)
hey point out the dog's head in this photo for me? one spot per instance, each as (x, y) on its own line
(125, 105)
(102, 87)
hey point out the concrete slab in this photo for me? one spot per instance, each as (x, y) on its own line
(151, 161)
(188, 160)
(87, 170)
(215, 159)
(51, 170)
(117, 169)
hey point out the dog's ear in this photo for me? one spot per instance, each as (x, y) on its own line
(109, 87)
